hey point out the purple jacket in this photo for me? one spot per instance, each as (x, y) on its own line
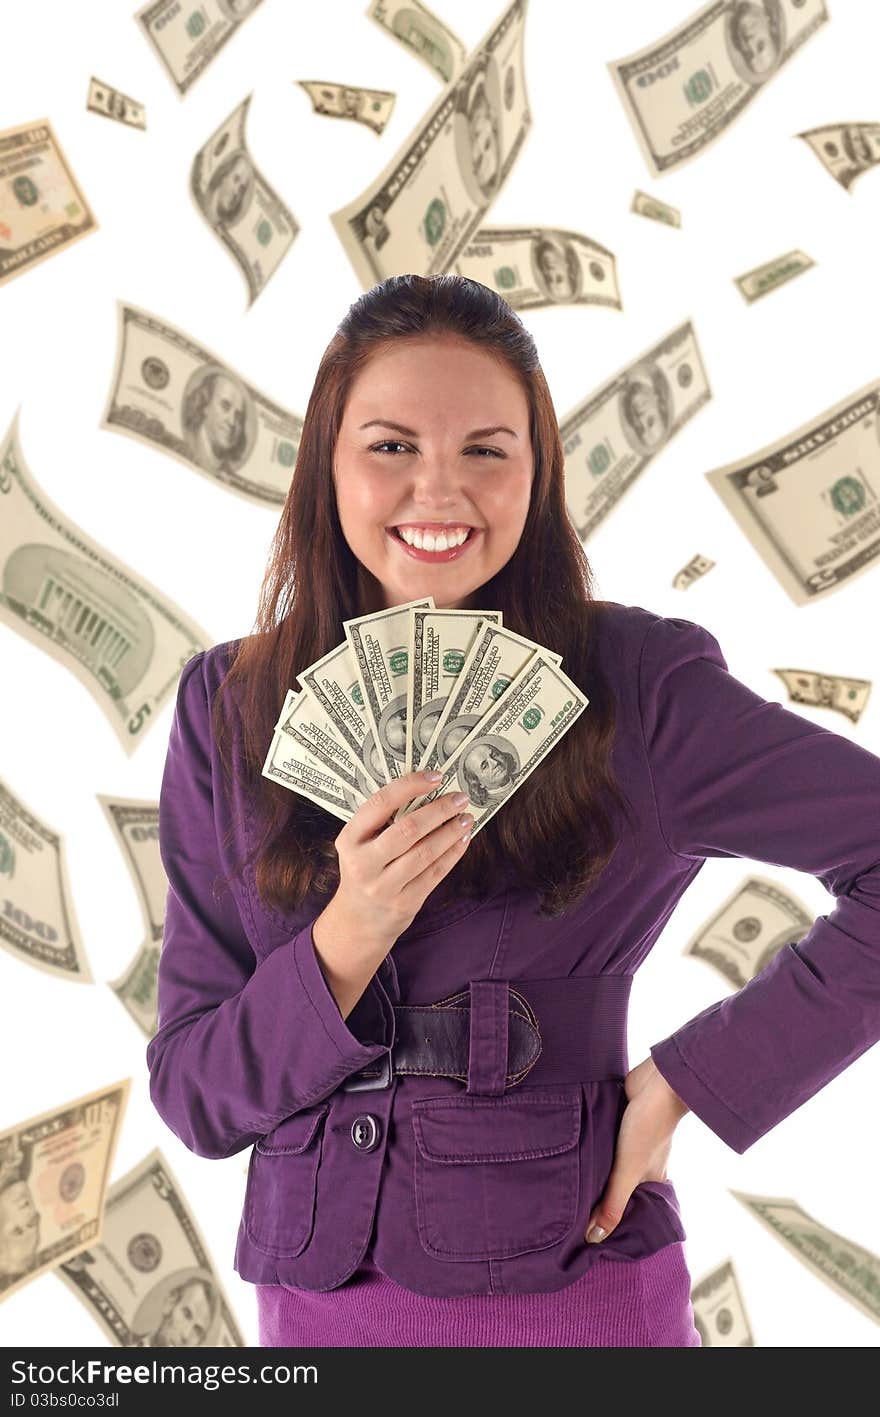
(465, 1194)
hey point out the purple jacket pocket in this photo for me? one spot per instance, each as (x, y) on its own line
(496, 1176)
(279, 1203)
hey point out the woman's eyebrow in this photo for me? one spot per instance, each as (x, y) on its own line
(411, 433)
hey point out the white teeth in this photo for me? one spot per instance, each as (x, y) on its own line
(427, 541)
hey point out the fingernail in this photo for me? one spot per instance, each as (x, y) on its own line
(433, 776)
(596, 1234)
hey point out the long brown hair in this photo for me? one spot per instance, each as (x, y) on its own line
(556, 835)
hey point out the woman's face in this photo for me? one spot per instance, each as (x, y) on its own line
(441, 390)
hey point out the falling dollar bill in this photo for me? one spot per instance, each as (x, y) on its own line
(187, 38)
(757, 920)
(419, 30)
(380, 643)
(38, 924)
(239, 206)
(846, 150)
(686, 89)
(847, 1268)
(809, 503)
(372, 107)
(525, 723)
(172, 393)
(831, 691)
(135, 825)
(150, 1281)
(771, 275)
(441, 641)
(423, 208)
(719, 1310)
(42, 207)
(54, 1171)
(695, 569)
(538, 266)
(610, 438)
(111, 627)
(103, 98)
(307, 757)
(652, 207)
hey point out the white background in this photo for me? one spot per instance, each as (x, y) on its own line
(755, 194)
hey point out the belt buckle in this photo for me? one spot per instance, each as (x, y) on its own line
(359, 1083)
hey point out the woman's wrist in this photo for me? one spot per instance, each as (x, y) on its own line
(675, 1104)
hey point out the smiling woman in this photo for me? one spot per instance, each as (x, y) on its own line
(429, 414)
(434, 391)
(430, 464)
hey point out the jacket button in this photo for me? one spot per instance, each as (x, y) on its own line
(365, 1132)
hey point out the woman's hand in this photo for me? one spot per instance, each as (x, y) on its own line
(643, 1143)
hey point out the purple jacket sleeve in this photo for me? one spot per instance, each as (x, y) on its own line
(738, 775)
(240, 1045)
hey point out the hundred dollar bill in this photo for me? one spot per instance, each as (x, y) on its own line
(419, 30)
(831, 691)
(372, 107)
(334, 683)
(306, 729)
(54, 1170)
(808, 503)
(497, 656)
(38, 923)
(652, 207)
(295, 767)
(687, 88)
(423, 208)
(186, 38)
(719, 1310)
(135, 825)
(440, 643)
(540, 265)
(846, 150)
(239, 206)
(111, 627)
(103, 98)
(757, 920)
(172, 393)
(695, 569)
(510, 741)
(150, 1281)
(771, 275)
(42, 207)
(610, 438)
(381, 644)
(847, 1268)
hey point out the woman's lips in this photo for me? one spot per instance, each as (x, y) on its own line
(450, 554)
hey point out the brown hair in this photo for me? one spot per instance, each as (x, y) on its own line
(556, 835)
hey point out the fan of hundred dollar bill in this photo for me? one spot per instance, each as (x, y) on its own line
(413, 688)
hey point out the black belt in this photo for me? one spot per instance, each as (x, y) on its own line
(497, 1032)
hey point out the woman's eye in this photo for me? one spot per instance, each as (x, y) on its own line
(392, 443)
